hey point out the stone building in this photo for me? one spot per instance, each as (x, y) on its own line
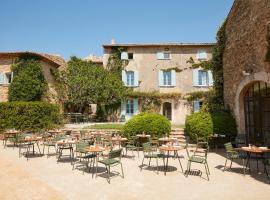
(48, 62)
(163, 68)
(246, 69)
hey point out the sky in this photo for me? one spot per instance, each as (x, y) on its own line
(80, 27)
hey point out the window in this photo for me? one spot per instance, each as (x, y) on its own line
(130, 106)
(126, 56)
(167, 78)
(5, 78)
(130, 56)
(201, 55)
(203, 78)
(197, 106)
(164, 55)
(130, 78)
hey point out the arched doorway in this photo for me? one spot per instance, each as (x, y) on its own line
(167, 110)
(257, 113)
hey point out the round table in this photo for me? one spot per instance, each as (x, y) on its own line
(119, 139)
(169, 149)
(32, 140)
(10, 134)
(66, 144)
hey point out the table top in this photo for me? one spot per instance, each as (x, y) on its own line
(32, 138)
(12, 132)
(96, 149)
(170, 148)
(254, 149)
(63, 142)
(167, 139)
(119, 139)
(143, 136)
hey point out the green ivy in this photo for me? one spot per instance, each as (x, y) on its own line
(28, 83)
(198, 95)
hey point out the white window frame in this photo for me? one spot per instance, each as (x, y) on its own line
(206, 81)
(130, 107)
(200, 53)
(7, 81)
(130, 77)
(163, 57)
(167, 78)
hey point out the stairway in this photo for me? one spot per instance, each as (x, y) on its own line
(179, 134)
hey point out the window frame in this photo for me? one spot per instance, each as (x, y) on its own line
(130, 78)
(167, 78)
(130, 110)
(163, 57)
(206, 81)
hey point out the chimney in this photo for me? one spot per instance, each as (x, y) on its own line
(113, 41)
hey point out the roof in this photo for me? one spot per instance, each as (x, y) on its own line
(157, 44)
(94, 59)
(53, 59)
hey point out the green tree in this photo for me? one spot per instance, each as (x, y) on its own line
(86, 83)
(28, 83)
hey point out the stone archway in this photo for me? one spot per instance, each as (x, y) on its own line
(242, 89)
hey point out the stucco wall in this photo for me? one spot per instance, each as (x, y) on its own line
(245, 50)
(5, 66)
(146, 63)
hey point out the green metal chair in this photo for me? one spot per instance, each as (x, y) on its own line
(266, 163)
(133, 145)
(232, 154)
(113, 159)
(199, 157)
(82, 154)
(150, 152)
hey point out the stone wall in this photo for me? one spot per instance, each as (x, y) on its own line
(246, 47)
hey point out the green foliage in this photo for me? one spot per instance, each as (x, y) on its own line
(107, 126)
(85, 83)
(205, 64)
(204, 124)
(29, 116)
(267, 57)
(176, 69)
(198, 95)
(28, 83)
(115, 64)
(149, 123)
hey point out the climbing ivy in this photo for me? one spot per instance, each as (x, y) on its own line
(198, 95)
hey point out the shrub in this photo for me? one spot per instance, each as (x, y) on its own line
(149, 123)
(30, 116)
(204, 125)
(28, 83)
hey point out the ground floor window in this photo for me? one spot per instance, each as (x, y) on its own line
(197, 106)
(130, 106)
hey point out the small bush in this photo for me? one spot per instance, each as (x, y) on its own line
(204, 125)
(30, 116)
(149, 123)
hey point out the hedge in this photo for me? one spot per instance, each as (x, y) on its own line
(29, 116)
(149, 123)
(204, 125)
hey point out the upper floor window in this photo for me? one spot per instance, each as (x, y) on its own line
(126, 56)
(6, 78)
(130, 78)
(166, 55)
(167, 78)
(202, 78)
(201, 55)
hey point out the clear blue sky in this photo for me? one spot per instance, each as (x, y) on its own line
(80, 27)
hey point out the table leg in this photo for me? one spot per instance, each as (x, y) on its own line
(167, 163)
(176, 153)
(248, 161)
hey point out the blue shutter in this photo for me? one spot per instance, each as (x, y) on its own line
(195, 77)
(124, 55)
(136, 106)
(136, 78)
(12, 74)
(160, 55)
(173, 74)
(196, 106)
(124, 77)
(2, 78)
(160, 78)
(210, 78)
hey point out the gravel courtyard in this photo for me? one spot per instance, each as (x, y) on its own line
(43, 178)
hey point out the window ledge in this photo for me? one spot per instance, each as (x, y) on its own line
(5, 85)
(202, 86)
(164, 59)
(167, 86)
(132, 86)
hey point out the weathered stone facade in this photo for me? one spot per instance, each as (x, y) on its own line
(48, 62)
(146, 63)
(244, 57)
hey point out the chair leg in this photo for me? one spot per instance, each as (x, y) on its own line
(157, 164)
(149, 162)
(109, 170)
(142, 163)
(206, 172)
(122, 170)
(208, 168)
(231, 164)
(243, 163)
(225, 165)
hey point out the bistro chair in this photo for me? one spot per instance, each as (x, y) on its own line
(150, 152)
(266, 163)
(133, 145)
(114, 159)
(199, 156)
(232, 154)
